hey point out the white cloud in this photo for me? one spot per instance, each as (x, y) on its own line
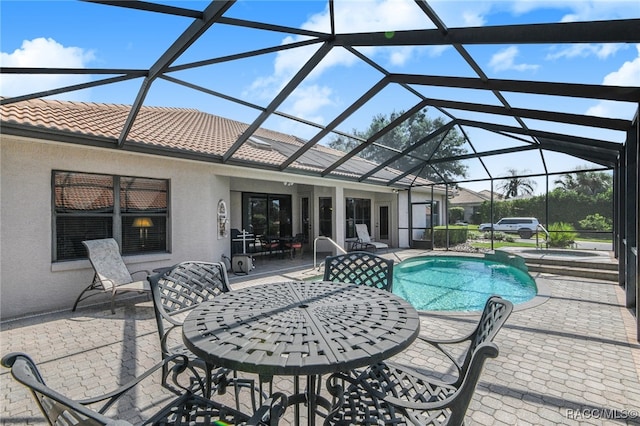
(627, 75)
(42, 52)
(600, 51)
(504, 60)
(472, 19)
(383, 15)
(576, 10)
(351, 17)
(309, 99)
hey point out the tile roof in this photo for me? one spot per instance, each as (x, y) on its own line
(183, 129)
(467, 196)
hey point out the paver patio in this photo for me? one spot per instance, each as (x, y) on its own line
(568, 360)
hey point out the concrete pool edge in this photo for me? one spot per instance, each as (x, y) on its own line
(582, 256)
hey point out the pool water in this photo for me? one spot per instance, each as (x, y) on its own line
(458, 283)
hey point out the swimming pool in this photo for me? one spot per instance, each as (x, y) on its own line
(459, 283)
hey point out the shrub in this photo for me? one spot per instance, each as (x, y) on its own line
(596, 222)
(561, 234)
(498, 236)
(456, 214)
(474, 235)
(457, 235)
(599, 225)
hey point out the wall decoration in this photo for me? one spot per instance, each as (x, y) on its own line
(223, 220)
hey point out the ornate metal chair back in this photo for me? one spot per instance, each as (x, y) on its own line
(494, 315)
(183, 287)
(360, 267)
(403, 396)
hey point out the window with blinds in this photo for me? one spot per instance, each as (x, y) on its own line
(88, 206)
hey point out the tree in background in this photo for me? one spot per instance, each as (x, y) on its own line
(407, 133)
(515, 186)
(588, 183)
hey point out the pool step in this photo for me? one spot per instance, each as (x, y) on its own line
(607, 271)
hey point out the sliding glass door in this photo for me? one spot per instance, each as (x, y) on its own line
(267, 214)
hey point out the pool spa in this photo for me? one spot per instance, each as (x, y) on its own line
(459, 283)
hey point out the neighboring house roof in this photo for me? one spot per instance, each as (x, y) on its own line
(486, 193)
(469, 197)
(188, 131)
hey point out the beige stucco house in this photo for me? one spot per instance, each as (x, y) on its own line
(62, 180)
(471, 201)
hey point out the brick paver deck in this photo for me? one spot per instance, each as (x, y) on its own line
(570, 360)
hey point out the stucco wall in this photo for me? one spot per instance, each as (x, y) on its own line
(29, 281)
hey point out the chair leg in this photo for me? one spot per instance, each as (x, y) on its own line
(91, 286)
(113, 300)
(75, 305)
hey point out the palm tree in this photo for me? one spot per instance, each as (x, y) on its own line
(515, 185)
(585, 182)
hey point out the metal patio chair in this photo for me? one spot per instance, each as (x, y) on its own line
(178, 290)
(186, 409)
(397, 379)
(360, 267)
(111, 275)
(364, 241)
(494, 315)
(269, 245)
(460, 350)
(296, 244)
(379, 396)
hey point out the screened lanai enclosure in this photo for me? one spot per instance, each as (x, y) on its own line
(436, 98)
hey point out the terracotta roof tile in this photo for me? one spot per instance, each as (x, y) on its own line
(182, 129)
(178, 128)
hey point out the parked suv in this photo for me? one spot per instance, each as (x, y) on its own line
(525, 227)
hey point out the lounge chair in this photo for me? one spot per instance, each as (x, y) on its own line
(185, 409)
(360, 267)
(111, 274)
(364, 239)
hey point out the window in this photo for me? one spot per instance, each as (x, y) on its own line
(267, 214)
(88, 206)
(358, 210)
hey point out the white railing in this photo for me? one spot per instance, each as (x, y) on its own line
(546, 240)
(315, 249)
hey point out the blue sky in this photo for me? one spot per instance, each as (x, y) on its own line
(77, 34)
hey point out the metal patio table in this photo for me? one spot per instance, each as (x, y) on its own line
(301, 329)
